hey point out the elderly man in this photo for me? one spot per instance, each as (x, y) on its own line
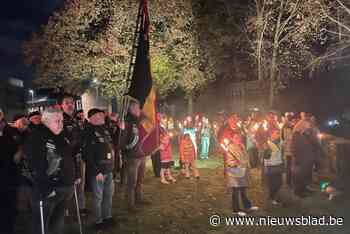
(99, 152)
(73, 133)
(53, 172)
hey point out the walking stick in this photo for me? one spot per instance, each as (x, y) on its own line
(77, 206)
(42, 217)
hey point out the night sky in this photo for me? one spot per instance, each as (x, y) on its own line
(18, 20)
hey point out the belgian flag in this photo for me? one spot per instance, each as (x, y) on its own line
(141, 86)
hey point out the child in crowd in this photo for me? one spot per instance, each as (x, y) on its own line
(205, 140)
(273, 165)
(188, 156)
(237, 173)
(166, 159)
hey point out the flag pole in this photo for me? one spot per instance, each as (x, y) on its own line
(125, 97)
(132, 60)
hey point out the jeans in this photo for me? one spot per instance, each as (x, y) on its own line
(103, 197)
(53, 210)
(136, 174)
(205, 141)
(273, 182)
(240, 192)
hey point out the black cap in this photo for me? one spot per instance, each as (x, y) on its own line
(34, 113)
(17, 117)
(94, 111)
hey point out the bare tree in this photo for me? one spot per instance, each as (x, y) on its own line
(280, 32)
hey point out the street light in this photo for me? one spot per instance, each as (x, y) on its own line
(95, 82)
(31, 92)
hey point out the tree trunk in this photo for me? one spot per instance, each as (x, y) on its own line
(272, 78)
(275, 48)
(190, 104)
(259, 59)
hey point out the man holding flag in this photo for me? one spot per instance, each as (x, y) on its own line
(141, 135)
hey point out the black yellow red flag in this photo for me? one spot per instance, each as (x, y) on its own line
(141, 86)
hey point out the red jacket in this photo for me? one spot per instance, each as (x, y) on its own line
(187, 150)
(166, 154)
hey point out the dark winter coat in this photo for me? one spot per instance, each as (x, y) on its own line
(51, 166)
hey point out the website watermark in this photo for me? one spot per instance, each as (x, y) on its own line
(217, 220)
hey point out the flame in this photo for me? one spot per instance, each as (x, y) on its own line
(226, 141)
(265, 125)
(256, 127)
(280, 125)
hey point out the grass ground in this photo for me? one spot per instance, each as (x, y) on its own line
(185, 207)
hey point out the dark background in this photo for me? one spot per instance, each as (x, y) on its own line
(18, 20)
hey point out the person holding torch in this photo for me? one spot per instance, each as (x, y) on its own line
(236, 164)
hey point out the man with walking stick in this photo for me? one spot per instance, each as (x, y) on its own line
(53, 172)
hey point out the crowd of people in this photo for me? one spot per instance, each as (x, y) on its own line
(288, 144)
(49, 157)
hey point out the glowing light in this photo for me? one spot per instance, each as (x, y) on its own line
(320, 135)
(226, 141)
(280, 125)
(332, 123)
(256, 127)
(215, 126)
(265, 125)
(171, 134)
(224, 147)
